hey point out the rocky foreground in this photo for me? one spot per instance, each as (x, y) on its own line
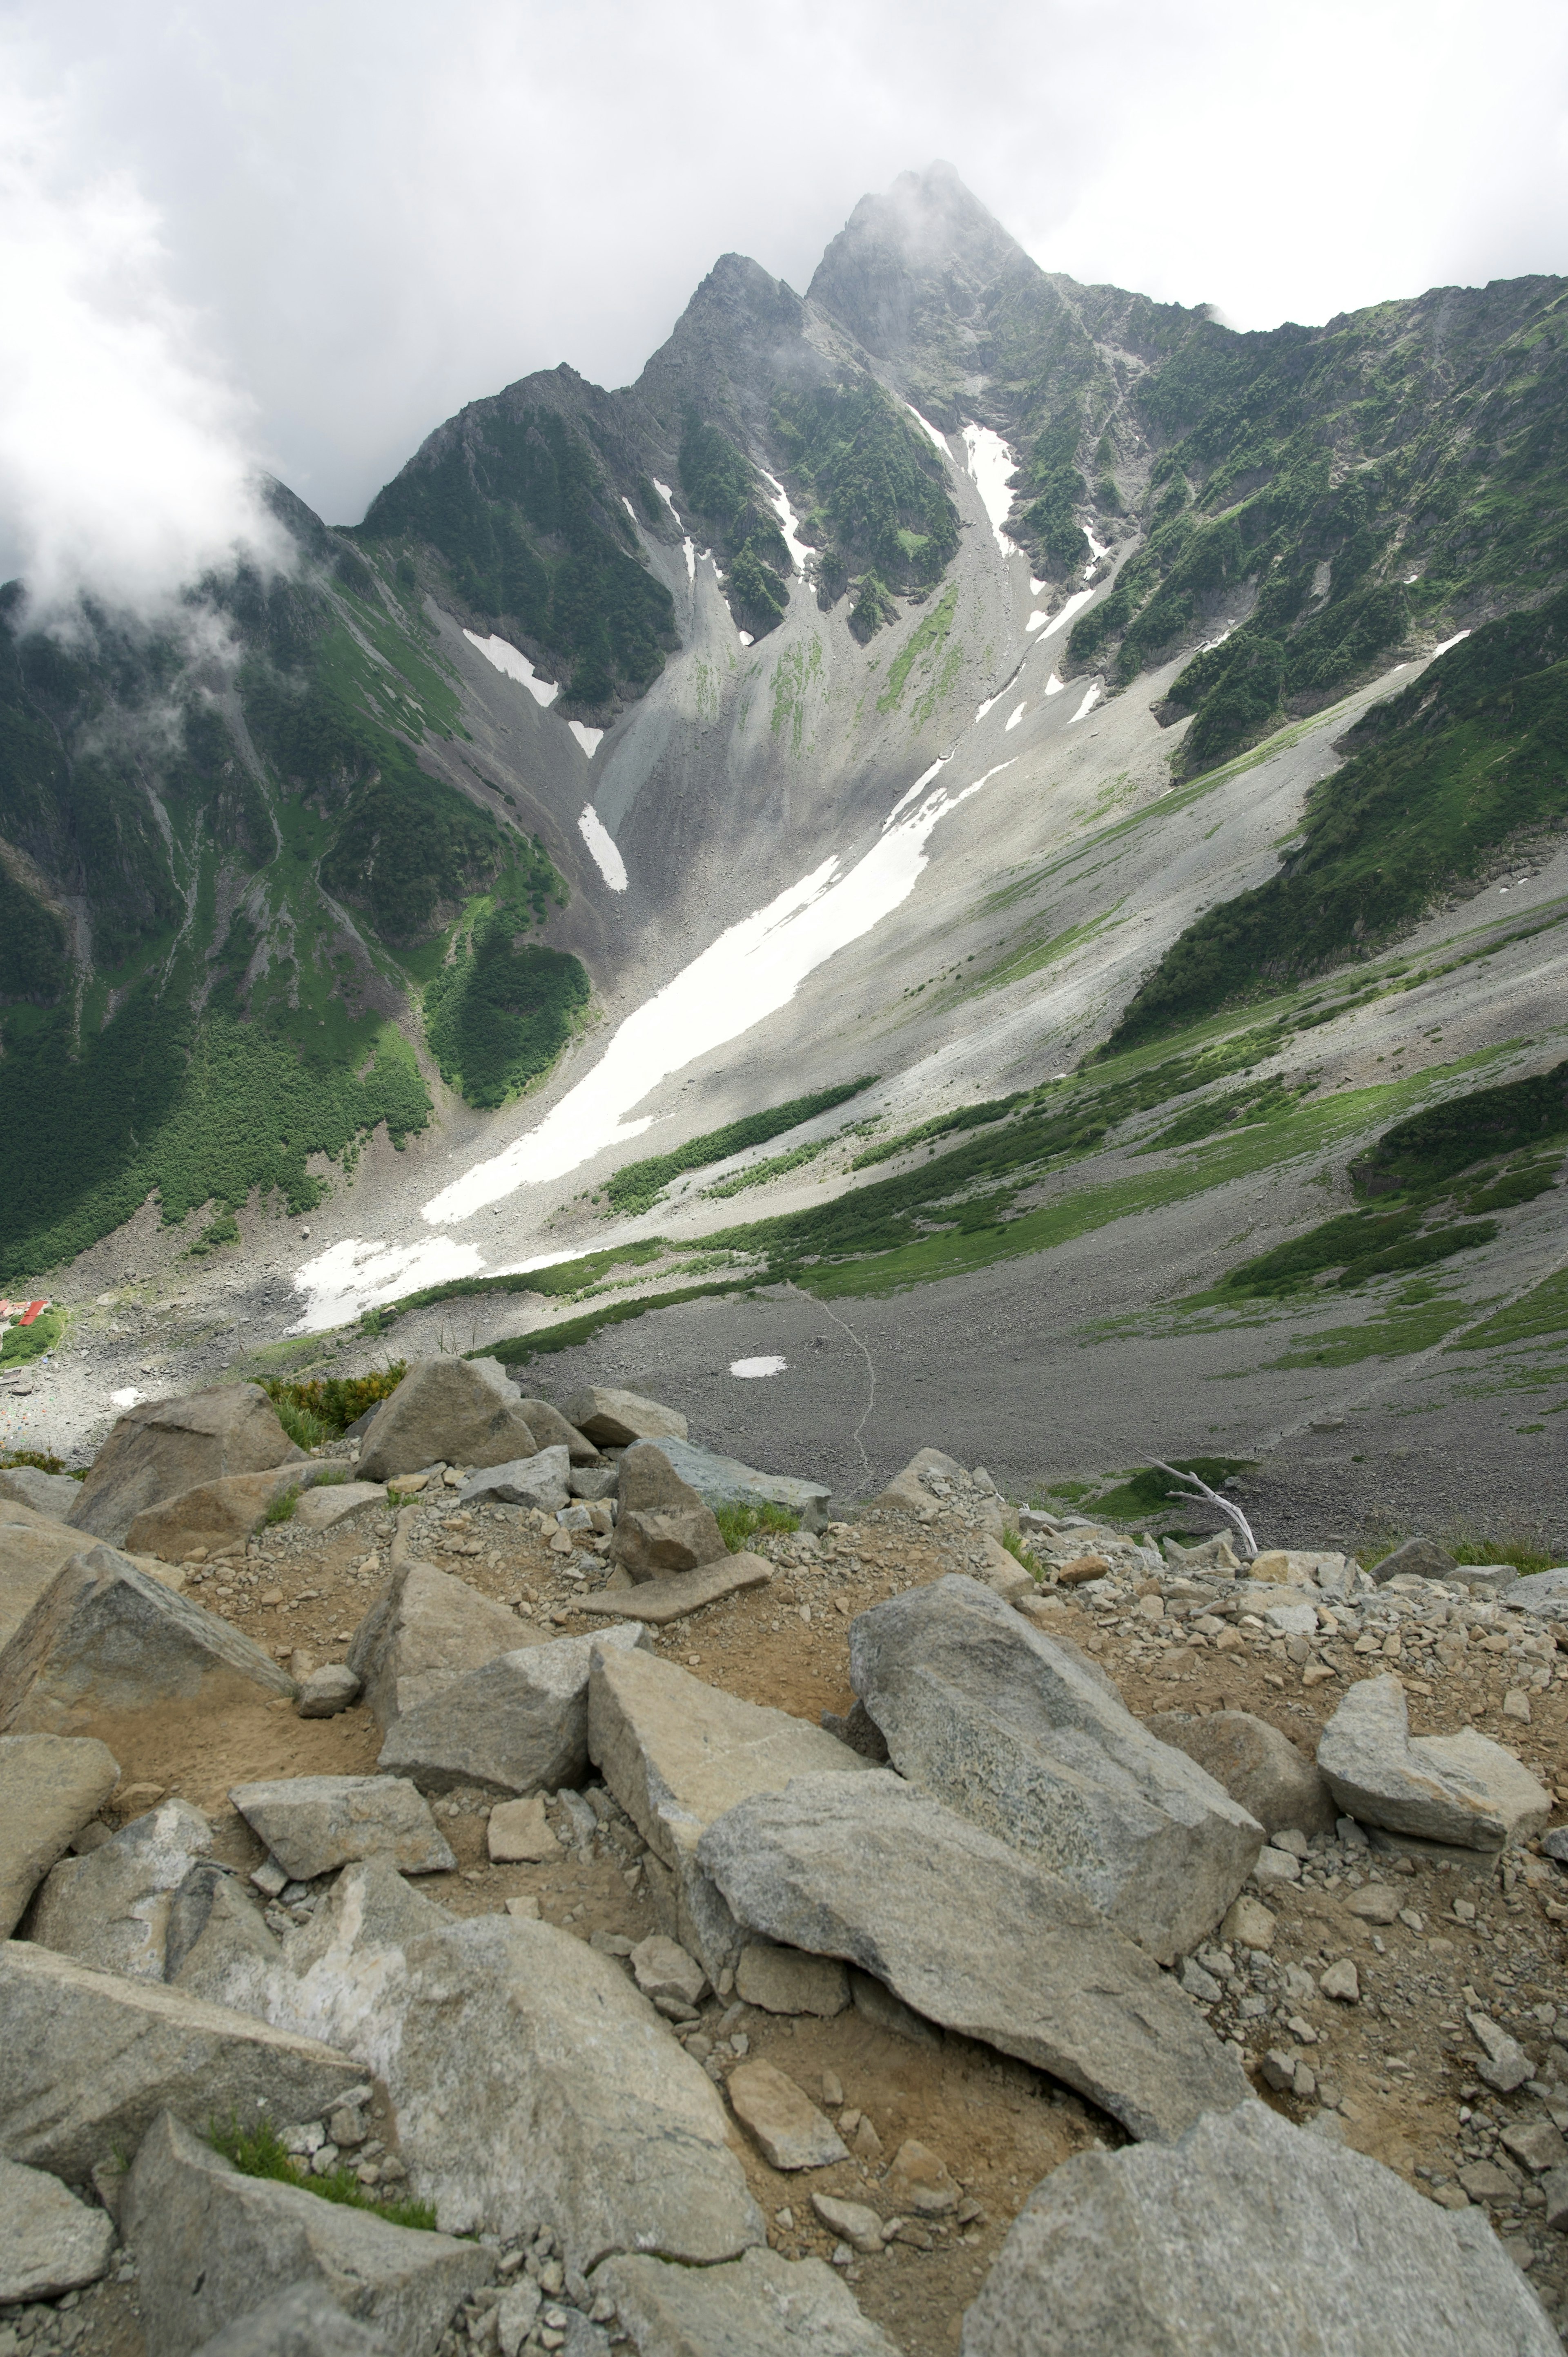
(940, 1928)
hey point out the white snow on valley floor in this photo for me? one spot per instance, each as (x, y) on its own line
(602, 844)
(515, 664)
(991, 462)
(923, 780)
(746, 637)
(1443, 650)
(753, 968)
(691, 560)
(937, 437)
(1086, 706)
(749, 1369)
(1014, 718)
(1035, 587)
(1048, 628)
(789, 522)
(588, 738)
(1053, 685)
(982, 709)
(353, 1276)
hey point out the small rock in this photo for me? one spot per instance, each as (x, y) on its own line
(1554, 2186)
(312, 1824)
(1538, 2144)
(1248, 1924)
(1340, 1981)
(520, 1833)
(861, 2228)
(1483, 2181)
(326, 1691)
(918, 2180)
(785, 1980)
(1376, 1903)
(1275, 1866)
(786, 2124)
(1462, 1789)
(1507, 2065)
(1199, 1983)
(662, 1968)
(50, 2241)
(1422, 1558)
(1517, 1705)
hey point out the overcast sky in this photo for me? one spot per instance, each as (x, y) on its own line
(305, 234)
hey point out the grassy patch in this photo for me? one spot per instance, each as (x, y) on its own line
(1543, 1310)
(1415, 1320)
(19, 1344)
(281, 1509)
(1147, 1491)
(260, 2151)
(333, 1402)
(742, 1524)
(637, 1186)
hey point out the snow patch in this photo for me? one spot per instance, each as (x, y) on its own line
(1035, 587)
(1014, 718)
(1086, 706)
(354, 1275)
(127, 1398)
(667, 496)
(1057, 622)
(753, 968)
(789, 522)
(514, 664)
(746, 637)
(602, 844)
(1443, 650)
(1097, 549)
(691, 562)
(1053, 685)
(590, 740)
(937, 437)
(982, 709)
(628, 506)
(923, 780)
(990, 463)
(749, 1369)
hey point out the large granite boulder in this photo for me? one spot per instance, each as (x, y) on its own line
(518, 1724)
(551, 1430)
(111, 1909)
(538, 1481)
(1260, 1768)
(216, 1944)
(50, 1785)
(1248, 2235)
(303, 2322)
(983, 1710)
(756, 2306)
(615, 1419)
(33, 1547)
(315, 1823)
(53, 1494)
(662, 1526)
(166, 1446)
(1460, 1789)
(50, 2241)
(213, 1515)
(444, 1410)
(726, 1481)
(424, 1630)
(104, 1639)
(971, 1933)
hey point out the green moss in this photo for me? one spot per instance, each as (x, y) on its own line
(334, 1402)
(875, 489)
(637, 1186)
(260, 2151)
(1145, 1491)
(741, 1524)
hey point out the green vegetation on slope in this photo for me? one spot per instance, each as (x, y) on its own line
(498, 1012)
(637, 1186)
(724, 491)
(876, 496)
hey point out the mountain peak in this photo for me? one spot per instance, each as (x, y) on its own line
(928, 240)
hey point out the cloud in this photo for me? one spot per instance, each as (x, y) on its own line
(126, 467)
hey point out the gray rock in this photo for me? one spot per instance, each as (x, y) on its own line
(54, 1494)
(519, 1724)
(51, 1786)
(1260, 1768)
(856, 1728)
(725, 1482)
(970, 1933)
(106, 1640)
(443, 1410)
(784, 2123)
(166, 1446)
(1423, 1558)
(328, 1690)
(1462, 1789)
(758, 2306)
(662, 1968)
(615, 1419)
(1232, 2243)
(908, 1490)
(983, 1711)
(551, 1430)
(782, 1980)
(532, 2083)
(111, 1909)
(1555, 1844)
(89, 2060)
(304, 2321)
(592, 1483)
(213, 1515)
(312, 1824)
(877, 2005)
(660, 1601)
(217, 1946)
(1506, 2065)
(368, 1908)
(1545, 1592)
(32, 1549)
(50, 2241)
(662, 1526)
(1486, 1579)
(424, 1631)
(206, 2238)
(324, 1505)
(537, 1480)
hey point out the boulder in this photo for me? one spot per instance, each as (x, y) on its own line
(551, 1430)
(1544, 1592)
(53, 1494)
(986, 1713)
(304, 2321)
(312, 1824)
(518, 1724)
(852, 2222)
(784, 2124)
(164, 1447)
(908, 1491)
(782, 1980)
(111, 1909)
(213, 1515)
(920, 2180)
(1299, 1567)
(758, 2306)
(216, 1945)
(1233, 2242)
(614, 1419)
(328, 1690)
(519, 1833)
(664, 1972)
(326, 1503)
(1422, 1558)
(424, 1631)
(368, 1908)
(967, 1931)
(576, 2107)
(1461, 1789)
(1259, 1767)
(444, 1409)
(207, 2238)
(50, 2241)
(662, 1526)
(659, 1601)
(537, 1480)
(725, 1482)
(89, 2060)
(33, 1547)
(103, 1640)
(51, 1786)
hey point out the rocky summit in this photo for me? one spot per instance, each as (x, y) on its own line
(954, 1925)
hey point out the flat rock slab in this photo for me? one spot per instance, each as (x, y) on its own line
(537, 1480)
(111, 1909)
(312, 1824)
(551, 1430)
(324, 1505)
(207, 2239)
(758, 2306)
(986, 1713)
(615, 1419)
(1233, 2243)
(444, 1410)
(163, 1447)
(304, 2321)
(50, 2241)
(50, 1785)
(970, 1933)
(424, 1631)
(519, 1724)
(213, 1514)
(725, 1482)
(661, 1600)
(781, 1980)
(47, 1493)
(33, 1546)
(1260, 1768)
(105, 1637)
(1461, 1789)
(784, 2123)
(89, 2060)
(519, 1833)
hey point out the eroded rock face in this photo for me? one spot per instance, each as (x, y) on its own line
(111, 1909)
(208, 2240)
(1259, 1767)
(53, 1494)
(164, 1447)
(551, 1430)
(614, 1419)
(50, 1785)
(519, 1724)
(1462, 1789)
(33, 1547)
(967, 1931)
(981, 1708)
(216, 1945)
(424, 1631)
(758, 2306)
(1223, 2243)
(444, 1409)
(726, 1481)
